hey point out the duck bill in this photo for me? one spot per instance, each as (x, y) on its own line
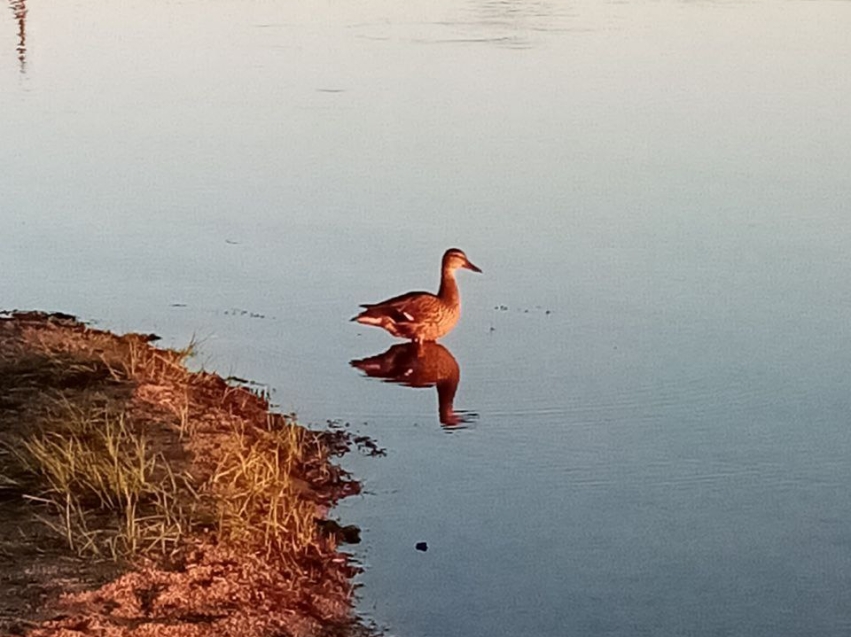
(472, 267)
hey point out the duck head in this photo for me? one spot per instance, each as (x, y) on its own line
(455, 258)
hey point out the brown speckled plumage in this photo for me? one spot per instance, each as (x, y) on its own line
(422, 316)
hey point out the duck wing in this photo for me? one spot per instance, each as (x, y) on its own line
(404, 308)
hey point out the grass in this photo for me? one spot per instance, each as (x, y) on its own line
(101, 483)
(122, 453)
(110, 491)
(259, 504)
(107, 488)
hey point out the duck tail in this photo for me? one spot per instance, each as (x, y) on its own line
(365, 319)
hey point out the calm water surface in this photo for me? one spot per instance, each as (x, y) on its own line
(654, 368)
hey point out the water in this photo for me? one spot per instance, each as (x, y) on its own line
(653, 368)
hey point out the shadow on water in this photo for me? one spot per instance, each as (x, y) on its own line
(19, 8)
(423, 365)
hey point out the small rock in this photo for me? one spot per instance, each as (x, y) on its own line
(349, 534)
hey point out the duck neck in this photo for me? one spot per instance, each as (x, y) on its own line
(448, 292)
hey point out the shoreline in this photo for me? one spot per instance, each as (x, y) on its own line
(138, 498)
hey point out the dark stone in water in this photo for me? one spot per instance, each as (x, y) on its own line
(349, 534)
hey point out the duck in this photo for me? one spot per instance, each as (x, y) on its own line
(422, 317)
(420, 365)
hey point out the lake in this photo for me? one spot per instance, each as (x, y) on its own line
(653, 371)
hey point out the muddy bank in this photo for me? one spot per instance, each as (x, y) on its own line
(139, 498)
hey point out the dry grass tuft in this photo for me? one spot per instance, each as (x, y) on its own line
(260, 505)
(111, 492)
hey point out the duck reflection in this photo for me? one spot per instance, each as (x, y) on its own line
(420, 365)
(19, 8)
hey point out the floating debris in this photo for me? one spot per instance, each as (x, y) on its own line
(536, 309)
(240, 312)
